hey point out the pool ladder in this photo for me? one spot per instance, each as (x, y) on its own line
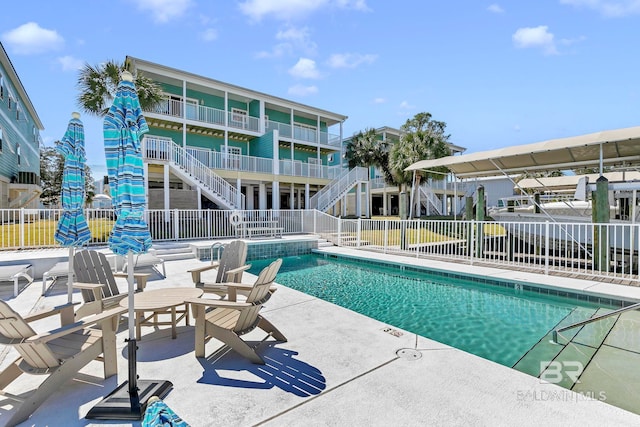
(216, 247)
(557, 331)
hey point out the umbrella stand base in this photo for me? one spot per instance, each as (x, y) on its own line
(119, 405)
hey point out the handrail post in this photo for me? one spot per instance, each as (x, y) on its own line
(386, 236)
(22, 227)
(358, 232)
(472, 241)
(176, 224)
(339, 232)
(546, 247)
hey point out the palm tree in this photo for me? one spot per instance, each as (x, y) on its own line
(97, 86)
(365, 149)
(421, 139)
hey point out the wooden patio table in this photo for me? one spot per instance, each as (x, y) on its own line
(161, 302)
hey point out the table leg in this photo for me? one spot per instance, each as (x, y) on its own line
(186, 313)
(138, 315)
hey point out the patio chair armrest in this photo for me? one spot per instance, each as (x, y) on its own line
(95, 288)
(197, 272)
(81, 324)
(204, 267)
(140, 279)
(42, 314)
(87, 286)
(235, 274)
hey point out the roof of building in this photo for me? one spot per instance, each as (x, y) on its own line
(206, 81)
(618, 147)
(13, 76)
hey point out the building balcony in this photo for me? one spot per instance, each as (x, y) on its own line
(242, 163)
(233, 121)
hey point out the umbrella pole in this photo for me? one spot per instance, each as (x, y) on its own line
(131, 344)
(70, 276)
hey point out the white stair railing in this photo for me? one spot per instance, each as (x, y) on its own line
(338, 188)
(190, 168)
(430, 198)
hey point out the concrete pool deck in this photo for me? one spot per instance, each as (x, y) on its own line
(337, 368)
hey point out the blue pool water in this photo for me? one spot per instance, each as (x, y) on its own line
(490, 321)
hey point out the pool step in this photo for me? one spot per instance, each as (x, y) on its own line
(564, 364)
(540, 355)
(173, 251)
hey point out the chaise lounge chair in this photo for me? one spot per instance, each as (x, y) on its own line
(59, 353)
(97, 282)
(229, 320)
(14, 273)
(230, 266)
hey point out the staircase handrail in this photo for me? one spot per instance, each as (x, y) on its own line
(165, 149)
(323, 198)
(426, 189)
(593, 319)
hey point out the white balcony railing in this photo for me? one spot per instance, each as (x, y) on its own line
(215, 116)
(236, 162)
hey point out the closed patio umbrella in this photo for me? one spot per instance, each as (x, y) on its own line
(72, 229)
(123, 126)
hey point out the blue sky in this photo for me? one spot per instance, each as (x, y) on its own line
(498, 74)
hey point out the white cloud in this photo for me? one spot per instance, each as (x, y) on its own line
(350, 60)
(301, 90)
(305, 68)
(609, 8)
(406, 106)
(495, 8)
(30, 38)
(292, 39)
(210, 34)
(293, 9)
(164, 10)
(569, 42)
(535, 37)
(379, 100)
(69, 63)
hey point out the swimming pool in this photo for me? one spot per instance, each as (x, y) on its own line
(494, 322)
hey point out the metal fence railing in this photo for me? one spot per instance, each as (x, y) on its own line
(588, 249)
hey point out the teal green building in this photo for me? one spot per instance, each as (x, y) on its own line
(20, 141)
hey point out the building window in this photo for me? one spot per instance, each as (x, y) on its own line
(1, 140)
(231, 155)
(10, 102)
(1, 87)
(18, 153)
(18, 112)
(238, 118)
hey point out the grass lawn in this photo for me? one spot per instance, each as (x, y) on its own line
(40, 233)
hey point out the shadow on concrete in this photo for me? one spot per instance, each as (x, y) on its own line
(281, 369)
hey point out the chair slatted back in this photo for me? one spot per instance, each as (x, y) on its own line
(234, 255)
(258, 296)
(14, 330)
(92, 267)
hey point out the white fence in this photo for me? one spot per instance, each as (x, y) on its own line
(584, 249)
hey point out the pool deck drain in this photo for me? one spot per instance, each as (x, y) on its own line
(409, 354)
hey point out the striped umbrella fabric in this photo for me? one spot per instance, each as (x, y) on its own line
(123, 127)
(158, 414)
(73, 229)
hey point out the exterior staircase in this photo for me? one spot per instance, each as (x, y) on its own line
(188, 168)
(429, 200)
(329, 195)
